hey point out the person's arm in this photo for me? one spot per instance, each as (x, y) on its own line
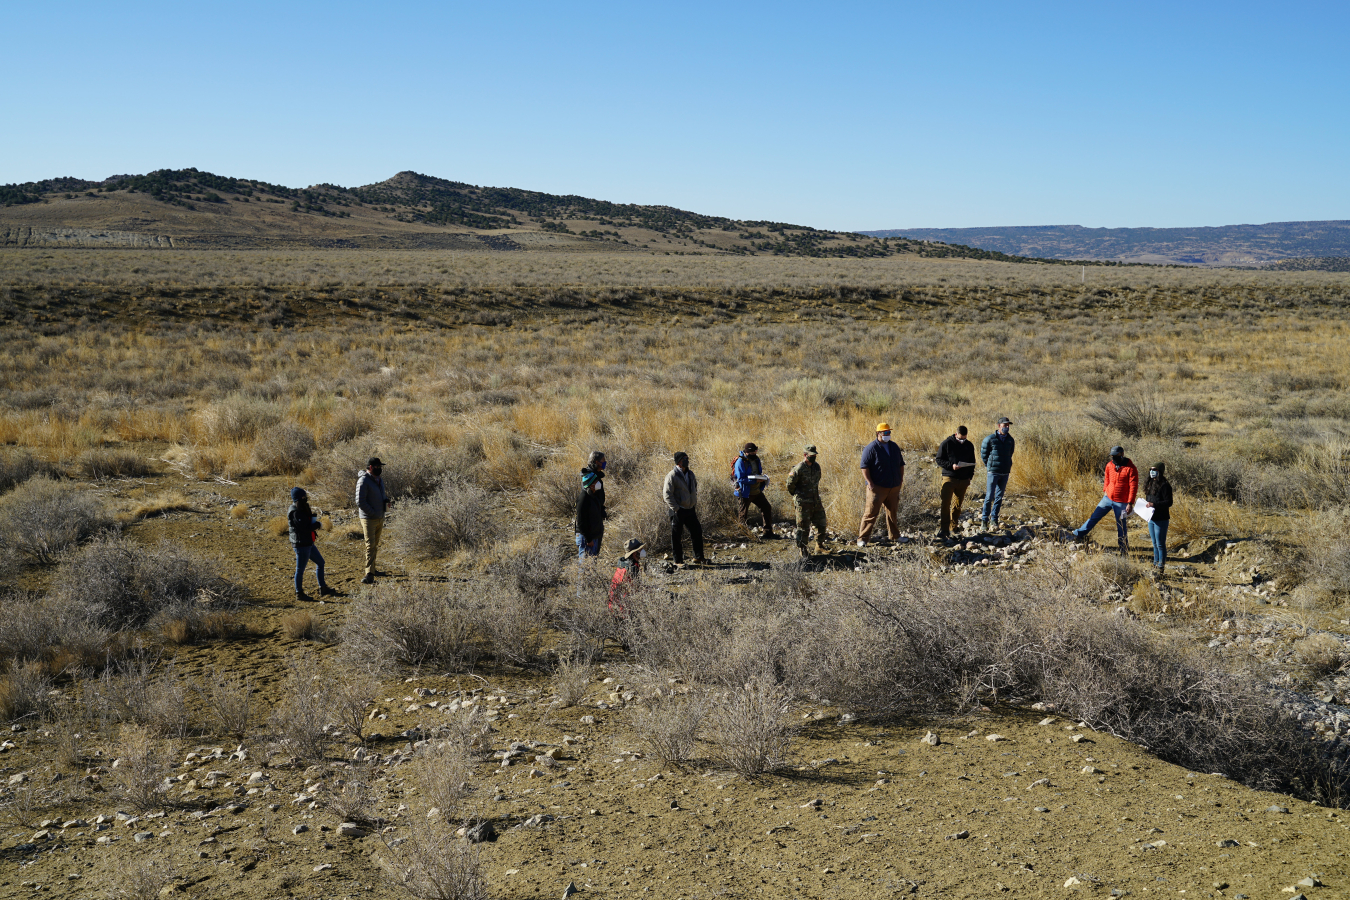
(944, 458)
(1165, 497)
(1132, 479)
(984, 450)
(793, 476)
(867, 462)
(668, 490)
(902, 470)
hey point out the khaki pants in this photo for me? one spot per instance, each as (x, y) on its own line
(371, 529)
(953, 494)
(887, 499)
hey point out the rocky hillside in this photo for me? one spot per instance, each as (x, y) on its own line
(188, 208)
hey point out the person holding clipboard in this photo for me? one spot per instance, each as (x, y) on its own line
(748, 479)
(956, 457)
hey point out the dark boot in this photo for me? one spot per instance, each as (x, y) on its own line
(301, 596)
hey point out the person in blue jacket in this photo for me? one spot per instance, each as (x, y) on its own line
(747, 475)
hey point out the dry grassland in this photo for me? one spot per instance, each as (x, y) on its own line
(484, 380)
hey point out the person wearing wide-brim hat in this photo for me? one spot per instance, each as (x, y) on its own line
(883, 467)
(803, 484)
(627, 573)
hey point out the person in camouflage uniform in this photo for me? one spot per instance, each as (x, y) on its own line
(804, 485)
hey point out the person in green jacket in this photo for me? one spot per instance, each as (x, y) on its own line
(804, 485)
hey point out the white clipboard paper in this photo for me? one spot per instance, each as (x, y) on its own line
(1142, 509)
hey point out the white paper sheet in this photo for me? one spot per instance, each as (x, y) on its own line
(1142, 509)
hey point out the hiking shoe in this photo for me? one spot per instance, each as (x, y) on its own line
(805, 554)
(301, 596)
(326, 591)
(369, 579)
(944, 535)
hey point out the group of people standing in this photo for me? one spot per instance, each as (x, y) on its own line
(883, 469)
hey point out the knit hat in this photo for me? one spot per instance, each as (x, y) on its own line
(298, 493)
(589, 479)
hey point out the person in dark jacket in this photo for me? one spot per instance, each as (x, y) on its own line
(956, 457)
(590, 520)
(595, 465)
(371, 505)
(883, 467)
(997, 455)
(303, 526)
(1158, 497)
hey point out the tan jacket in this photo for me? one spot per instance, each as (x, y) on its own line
(679, 493)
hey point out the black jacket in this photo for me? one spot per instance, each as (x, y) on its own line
(301, 521)
(953, 451)
(1158, 491)
(590, 522)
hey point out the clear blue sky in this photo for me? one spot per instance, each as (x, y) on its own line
(838, 115)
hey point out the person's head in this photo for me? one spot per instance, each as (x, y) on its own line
(961, 432)
(1004, 423)
(596, 462)
(298, 494)
(809, 454)
(374, 466)
(682, 459)
(589, 481)
(749, 449)
(1157, 470)
(1117, 454)
(634, 549)
(883, 431)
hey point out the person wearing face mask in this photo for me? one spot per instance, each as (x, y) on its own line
(956, 458)
(626, 575)
(680, 491)
(997, 454)
(883, 467)
(803, 484)
(595, 465)
(371, 504)
(1158, 497)
(590, 520)
(1121, 486)
(748, 480)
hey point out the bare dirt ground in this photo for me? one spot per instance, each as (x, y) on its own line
(1010, 801)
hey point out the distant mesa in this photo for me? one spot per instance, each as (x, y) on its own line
(1318, 244)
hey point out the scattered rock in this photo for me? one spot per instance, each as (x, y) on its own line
(1227, 844)
(959, 836)
(1089, 770)
(350, 830)
(931, 739)
(1277, 809)
(141, 837)
(483, 831)
(569, 890)
(323, 867)
(300, 829)
(995, 738)
(1310, 881)
(1073, 881)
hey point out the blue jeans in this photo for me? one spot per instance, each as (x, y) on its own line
(587, 548)
(993, 496)
(1157, 532)
(1122, 512)
(302, 557)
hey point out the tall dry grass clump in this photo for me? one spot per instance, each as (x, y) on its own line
(283, 449)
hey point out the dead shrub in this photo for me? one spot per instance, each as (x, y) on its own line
(1137, 414)
(24, 691)
(122, 585)
(668, 726)
(352, 795)
(143, 762)
(237, 418)
(429, 861)
(139, 879)
(283, 449)
(303, 625)
(129, 691)
(41, 517)
(1119, 571)
(918, 504)
(48, 629)
(412, 624)
(749, 726)
(412, 469)
(100, 464)
(239, 511)
(555, 490)
(227, 698)
(300, 720)
(459, 516)
(17, 466)
(347, 423)
(351, 692)
(1320, 654)
(571, 681)
(442, 773)
(23, 803)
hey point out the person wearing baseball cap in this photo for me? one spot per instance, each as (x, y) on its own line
(371, 504)
(883, 467)
(1120, 484)
(748, 481)
(997, 454)
(803, 484)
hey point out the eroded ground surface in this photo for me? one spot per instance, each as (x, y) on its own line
(1019, 801)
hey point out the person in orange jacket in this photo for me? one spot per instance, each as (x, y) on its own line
(1121, 483)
